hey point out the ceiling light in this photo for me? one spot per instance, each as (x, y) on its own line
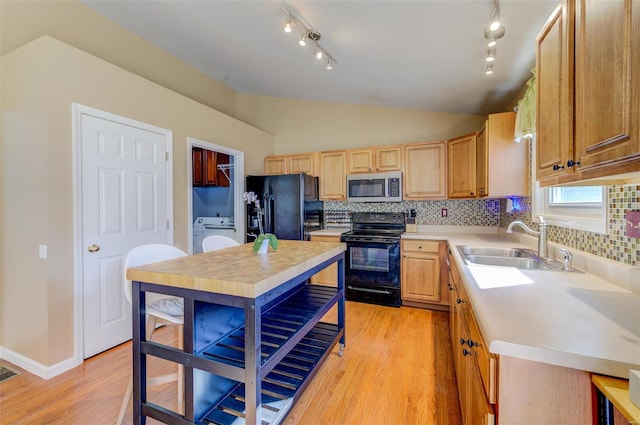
(494, 25)
(491, 54)
(308, 35)
(489, 68)
(492, 43)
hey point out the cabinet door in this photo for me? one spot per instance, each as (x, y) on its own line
(607, 82)
(333, 175)
(210, 168)
(197, 167)
(304, 163)
(360, 161)
(274, 165)
(328, 276)
(388, 158)
(425, 171)
(421, 277)
(554, 94)
(461, 154)
(479, 410)
(482, 151)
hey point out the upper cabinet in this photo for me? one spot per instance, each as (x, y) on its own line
(461, 158)
(374, 160)
(333, 175)
(588, 91)
(502, 165)
(204, 167)
(274, 165)
(488, 163)
(305, 163)
(424, 175)
(292, 164)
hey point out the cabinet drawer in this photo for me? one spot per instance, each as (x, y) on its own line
(486, 361)
(420, 246)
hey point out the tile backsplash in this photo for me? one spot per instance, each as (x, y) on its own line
(492, 212)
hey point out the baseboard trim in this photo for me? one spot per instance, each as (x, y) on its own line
(36, 368)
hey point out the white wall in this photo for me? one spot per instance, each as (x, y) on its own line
(308, 126)
(40, 81)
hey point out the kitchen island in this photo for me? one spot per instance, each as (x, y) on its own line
(253, 338)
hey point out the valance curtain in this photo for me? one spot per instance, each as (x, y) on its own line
(526, 115)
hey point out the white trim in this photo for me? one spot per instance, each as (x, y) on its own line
(37, 368)
(237, 184)
(77, 111)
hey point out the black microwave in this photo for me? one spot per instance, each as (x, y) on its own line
(376, 187)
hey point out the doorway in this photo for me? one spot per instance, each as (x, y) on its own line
(215, 185)
(123, 191)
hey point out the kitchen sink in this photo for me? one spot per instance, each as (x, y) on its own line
(520, 258)
(517, 262)
(496, 252)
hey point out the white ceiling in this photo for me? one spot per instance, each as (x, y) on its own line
(420, 54)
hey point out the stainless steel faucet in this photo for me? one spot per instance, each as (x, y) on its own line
(543, 246)
(566, 259)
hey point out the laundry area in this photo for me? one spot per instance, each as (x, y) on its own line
(212, 195)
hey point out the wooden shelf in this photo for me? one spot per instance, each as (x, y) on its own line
(282, 385)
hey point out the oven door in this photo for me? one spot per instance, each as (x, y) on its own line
(373, 263)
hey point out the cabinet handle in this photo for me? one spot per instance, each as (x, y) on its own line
(450, 287)
(462, 341)
(466, 352)
(471, 193)
(571, 163)
(471, 343)
(459, 301)
(420, 247)
(557, 167)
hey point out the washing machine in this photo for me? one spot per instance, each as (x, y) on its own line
(207, 226)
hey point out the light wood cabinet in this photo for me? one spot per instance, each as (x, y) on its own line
(424, 278)
(389, 158)
(333, 175)
(375, 159)
(328, 276)
(304, 163)
(475, 367)
(588, 83)
(424, 175)
(274, 165)
(461, 166)
(360, 160)
(502, 165)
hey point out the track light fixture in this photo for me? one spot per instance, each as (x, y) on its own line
(307, 35)
(492, 33)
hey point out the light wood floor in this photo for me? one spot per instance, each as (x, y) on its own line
(396, 369)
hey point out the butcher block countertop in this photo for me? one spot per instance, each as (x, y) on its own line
(238, 271)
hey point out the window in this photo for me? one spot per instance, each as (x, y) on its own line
(575, 207)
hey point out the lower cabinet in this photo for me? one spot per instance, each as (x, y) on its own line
(423, 281)
(329, 275)
(475, 367)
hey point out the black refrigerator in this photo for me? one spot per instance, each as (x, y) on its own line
(289, 203)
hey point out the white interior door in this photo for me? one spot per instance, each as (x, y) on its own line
(125, 187)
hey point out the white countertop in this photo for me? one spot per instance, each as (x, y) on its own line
(575, 320)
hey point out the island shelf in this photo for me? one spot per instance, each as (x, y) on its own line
(246, 359)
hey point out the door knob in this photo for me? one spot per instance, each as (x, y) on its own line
(93, 248)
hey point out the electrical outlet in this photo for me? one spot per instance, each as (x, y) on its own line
(444, 212)
(633, 224)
